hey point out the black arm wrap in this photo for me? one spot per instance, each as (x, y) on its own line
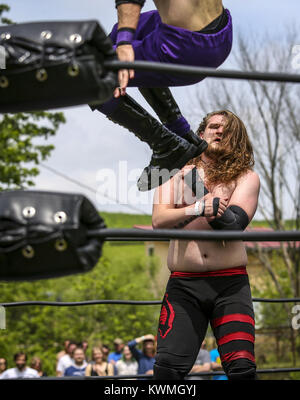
(195, 183)
(233, 219)
(139, 2)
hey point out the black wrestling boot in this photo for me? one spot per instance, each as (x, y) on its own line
(170, 152)
(167, 110)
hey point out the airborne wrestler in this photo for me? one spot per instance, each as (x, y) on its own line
(209, 281)
(190, 32)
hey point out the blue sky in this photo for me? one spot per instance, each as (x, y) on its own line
(88, 146)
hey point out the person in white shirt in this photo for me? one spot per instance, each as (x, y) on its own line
(127, 365)
(66, 361)
(21, 370)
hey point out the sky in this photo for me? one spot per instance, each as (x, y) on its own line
(102, 157)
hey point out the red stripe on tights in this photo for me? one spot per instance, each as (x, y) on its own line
(236, 336)
(237, 354)
(220, 272)
(232, 317)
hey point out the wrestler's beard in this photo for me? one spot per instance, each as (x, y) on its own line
(215, 152)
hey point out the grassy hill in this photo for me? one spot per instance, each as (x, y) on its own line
(289, 224)
(123, 220)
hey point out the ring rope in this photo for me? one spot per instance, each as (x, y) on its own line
(142, 234)
(203, 72)
(121, 302)
(150, 377)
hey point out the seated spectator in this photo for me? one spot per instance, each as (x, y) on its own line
(127, 365)
(3, 365)
(145, 358)
(21, 370)
(202, 364)
(116, 355)
(36, 363)
(65, 361)
(99, 367)
(216, 365)
(105, 351)
(79, 364)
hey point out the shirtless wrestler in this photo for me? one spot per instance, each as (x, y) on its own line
(193, 32)
(209, 281)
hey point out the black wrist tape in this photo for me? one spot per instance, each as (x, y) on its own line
(195, 183)
(216, 203)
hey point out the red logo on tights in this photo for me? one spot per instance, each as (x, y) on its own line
(163, 315)
(166, 318)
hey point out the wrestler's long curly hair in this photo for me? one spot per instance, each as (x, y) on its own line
(233, 157)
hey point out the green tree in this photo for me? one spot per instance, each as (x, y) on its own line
(4, 20)
(19, 136)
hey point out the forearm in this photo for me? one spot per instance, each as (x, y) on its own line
(139, 339)
(88, 370)
(174, 218)
(142, 338)
(128, 15)
(201, 368)
(132, 346)
(110, 370)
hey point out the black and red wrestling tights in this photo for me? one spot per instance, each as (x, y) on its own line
(191, 301)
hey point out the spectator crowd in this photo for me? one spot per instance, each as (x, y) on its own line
(124, 359)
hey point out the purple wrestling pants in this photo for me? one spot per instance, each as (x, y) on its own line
(159, 42)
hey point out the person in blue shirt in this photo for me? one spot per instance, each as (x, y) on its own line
(145, 358)
(116, 355)
(79, 365)
(216, 365)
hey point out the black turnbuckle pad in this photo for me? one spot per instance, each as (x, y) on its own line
(55, 64)
(45, 235)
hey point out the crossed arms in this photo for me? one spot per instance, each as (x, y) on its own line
(167, 215)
